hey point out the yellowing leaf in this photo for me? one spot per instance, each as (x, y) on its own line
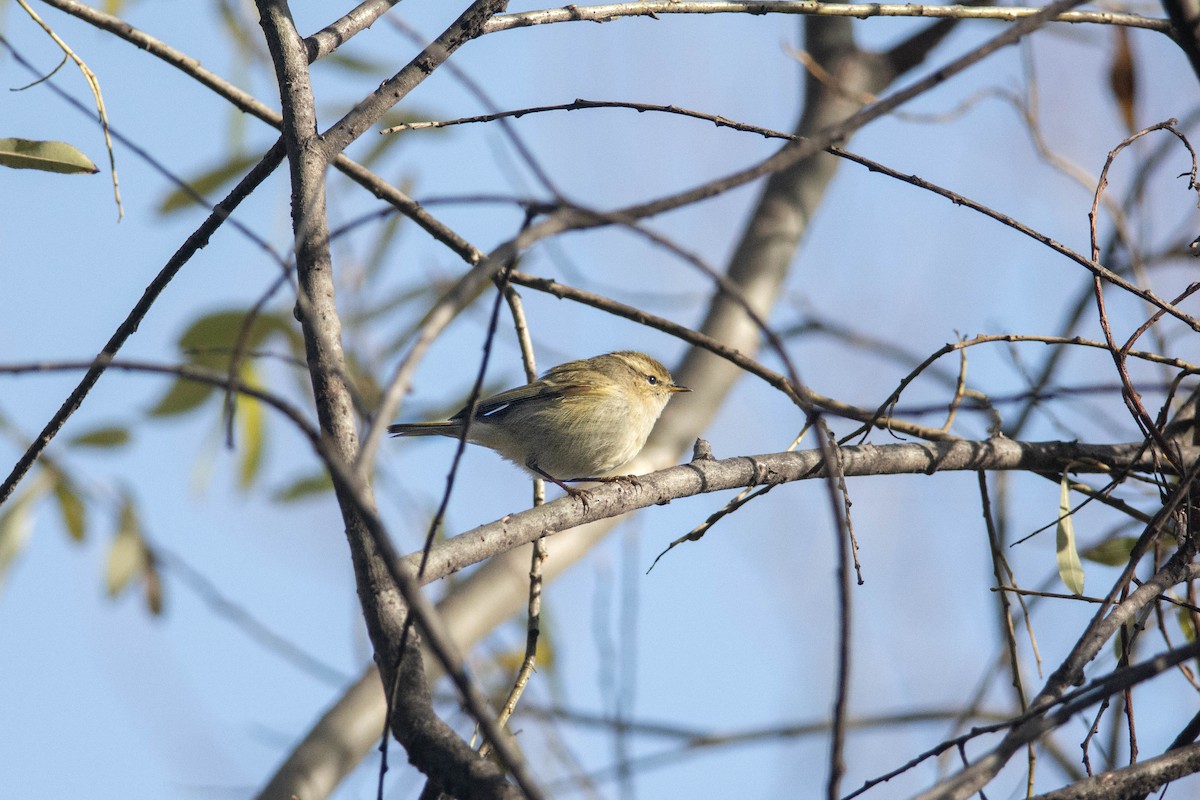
(71, 508)
(127, 558)
(1187, 624)
(1069, 568)
(46, 156)
(16, 523)
(250, 439)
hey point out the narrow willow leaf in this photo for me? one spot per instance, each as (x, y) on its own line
(370, 393)
(544, 657)
(127, 558)
(1187, 624)
(207, 182)
(154, 588)
(182, 397)
(211, 339)
(363, 66)
(1112, 552)
(108, 436)
(1069, 568)
(305, 487)
(46, 156)
(1122, 78)
(251, 434)
(71, 508)
(16, 523)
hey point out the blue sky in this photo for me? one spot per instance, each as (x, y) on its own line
(102, 700)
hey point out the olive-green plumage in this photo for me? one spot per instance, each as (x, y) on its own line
(581, 419)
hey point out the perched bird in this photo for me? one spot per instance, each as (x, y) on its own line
(578, 421)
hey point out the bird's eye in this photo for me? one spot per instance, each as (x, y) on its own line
(652, 380)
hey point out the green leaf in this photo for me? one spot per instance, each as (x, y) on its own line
(71, 508)
(363, 66)
(250, 423)
(128, 557)
(210, 340)
(46, 156)
(1069, 568)
(183, 396)
(305, 487)
(207, 182)
(107, 436)
(369, 392)
(1112, 552)
(1186, 624)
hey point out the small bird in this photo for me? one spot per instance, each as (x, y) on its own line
(578, 421)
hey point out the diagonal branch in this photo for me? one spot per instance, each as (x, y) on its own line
(710, 475)
(198, 239)
(371, 109)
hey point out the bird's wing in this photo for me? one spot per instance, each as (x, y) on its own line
(538, 390)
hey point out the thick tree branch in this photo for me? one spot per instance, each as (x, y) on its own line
(1185, 27)
(655, 8)
(430, 743)
(703, 476)
(1132, 781)
(345, 27)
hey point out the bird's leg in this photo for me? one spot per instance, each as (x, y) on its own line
(554, 480)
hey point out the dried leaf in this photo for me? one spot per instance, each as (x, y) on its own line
(154, 588)
(1122, 78)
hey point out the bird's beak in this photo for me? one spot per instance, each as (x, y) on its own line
(673, 388)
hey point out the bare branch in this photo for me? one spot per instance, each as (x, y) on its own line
(1138, 779)
(654, 8)
(710, 475)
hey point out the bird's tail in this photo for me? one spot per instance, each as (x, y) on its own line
(447, 427)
